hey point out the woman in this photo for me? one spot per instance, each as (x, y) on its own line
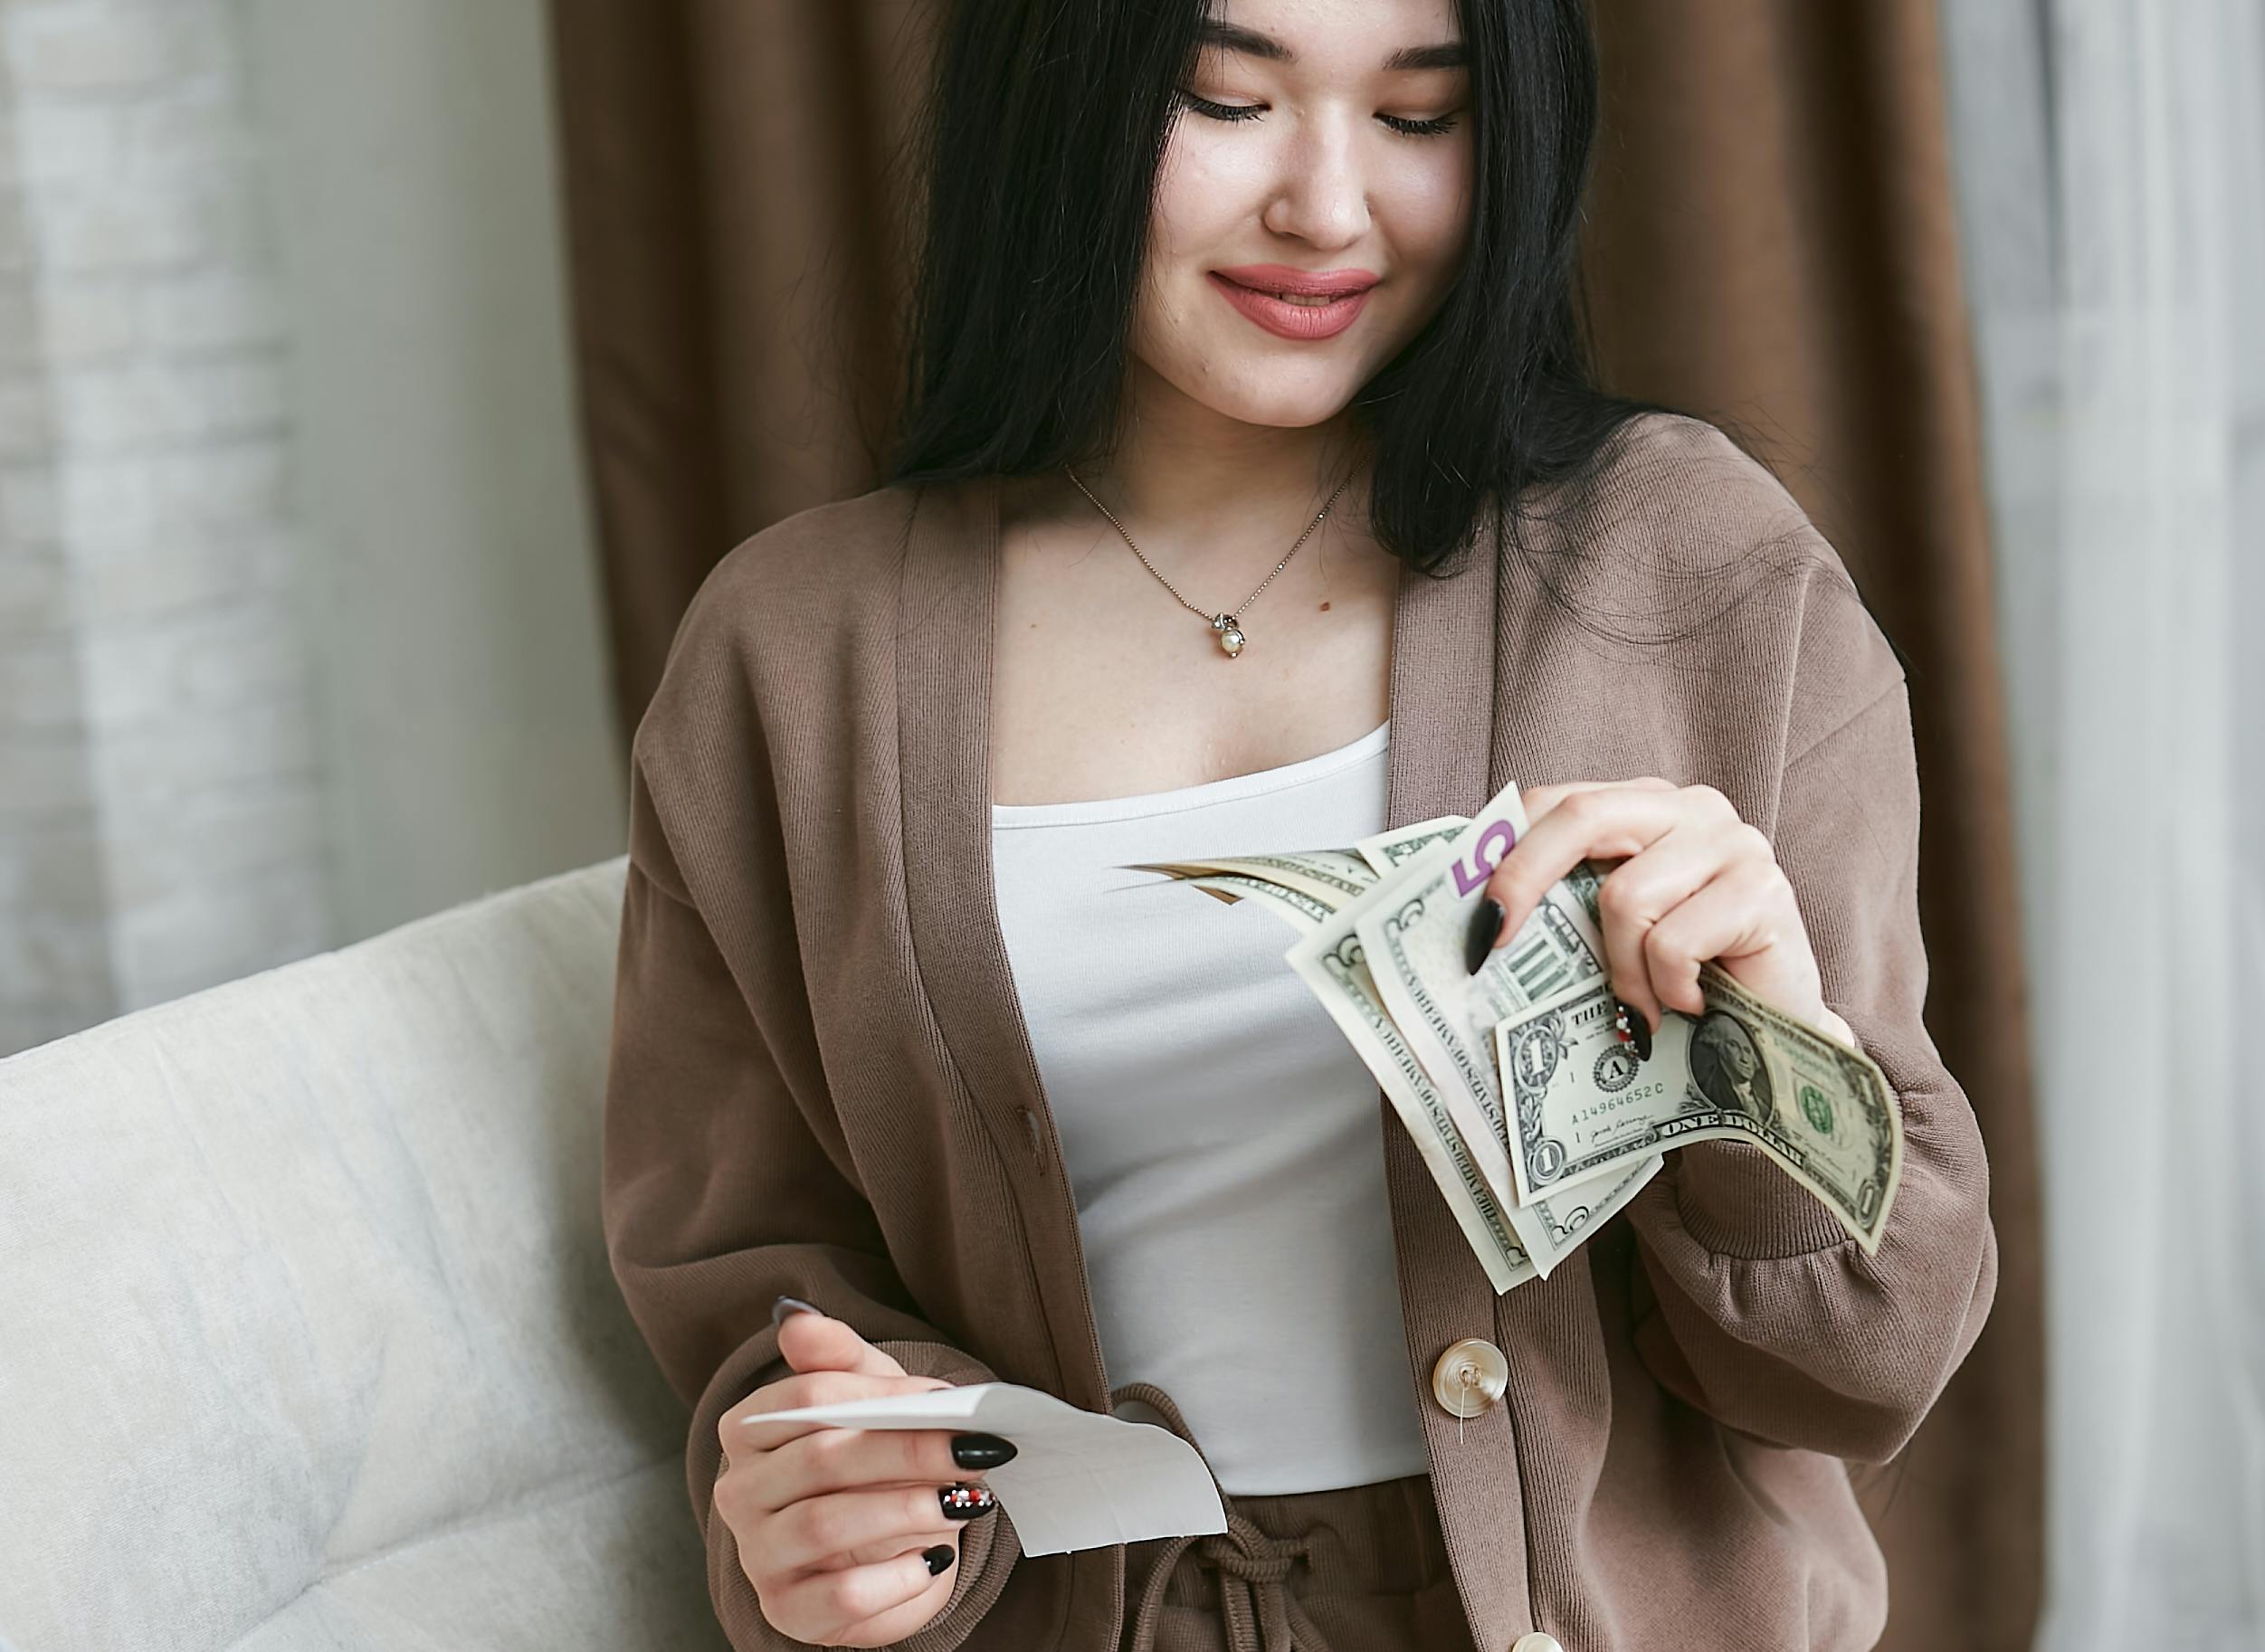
(1196, 542)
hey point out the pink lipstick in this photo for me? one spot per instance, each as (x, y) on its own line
(1303, 304)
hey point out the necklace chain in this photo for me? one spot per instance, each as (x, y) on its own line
(1224, 623)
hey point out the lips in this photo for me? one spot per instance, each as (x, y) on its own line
(1287, 278)
(1300, 304)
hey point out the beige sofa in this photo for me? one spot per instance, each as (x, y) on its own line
(308, 1338)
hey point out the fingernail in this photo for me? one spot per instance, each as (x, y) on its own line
(938, 1558)
(965, 1501)
(981, 1450)
(790, 1304)
(1634, 1027)
(1485, 928)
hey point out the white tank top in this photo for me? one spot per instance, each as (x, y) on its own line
(1222, 1139)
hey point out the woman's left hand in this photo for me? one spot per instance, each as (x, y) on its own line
(1695, 882)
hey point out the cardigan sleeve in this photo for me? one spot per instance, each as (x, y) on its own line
(717, 1196)
(1765, 1314)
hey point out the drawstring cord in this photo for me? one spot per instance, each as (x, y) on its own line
(1260, 1614)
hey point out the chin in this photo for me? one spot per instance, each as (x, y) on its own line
(1261, 396)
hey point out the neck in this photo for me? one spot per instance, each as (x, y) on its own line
(1187, 473)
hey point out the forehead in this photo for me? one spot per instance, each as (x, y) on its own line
(1336, 36)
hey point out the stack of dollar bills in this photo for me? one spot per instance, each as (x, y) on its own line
(1522, 1084)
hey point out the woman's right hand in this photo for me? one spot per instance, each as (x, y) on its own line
(842, 1531)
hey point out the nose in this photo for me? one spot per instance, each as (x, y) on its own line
(1321, 195)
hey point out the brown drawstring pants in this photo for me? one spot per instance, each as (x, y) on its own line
(1357, 1569)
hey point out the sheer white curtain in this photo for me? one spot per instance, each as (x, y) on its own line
(2111, 165)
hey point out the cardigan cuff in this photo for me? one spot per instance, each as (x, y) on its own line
(1735, 1201)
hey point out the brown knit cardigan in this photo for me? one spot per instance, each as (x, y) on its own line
(820, 1081)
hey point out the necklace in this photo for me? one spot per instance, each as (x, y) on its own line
(1230, 628)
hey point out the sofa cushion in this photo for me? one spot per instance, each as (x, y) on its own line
(310, 1338)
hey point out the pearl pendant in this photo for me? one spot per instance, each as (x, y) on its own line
(1230, 633)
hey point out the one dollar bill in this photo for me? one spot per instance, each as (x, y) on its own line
(1585, 1107)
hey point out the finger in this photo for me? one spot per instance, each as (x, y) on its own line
(1538, 801)
(1593, 822)
(913, 1543)
(1735, 915)
(1643, 889)
(859, 1606)
(838, 1459)
(743, 1428)
(824, 1530)
(819, 1342)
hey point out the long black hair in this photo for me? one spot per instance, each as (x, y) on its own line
(1038, 158)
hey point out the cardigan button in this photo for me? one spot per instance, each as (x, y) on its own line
(1467, 1379)
(1536, 1642)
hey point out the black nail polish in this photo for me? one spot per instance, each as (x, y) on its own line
(981, 1450)
(965, 1501)
(784, 1305)
(938, 1558)
(1638, 1030)
(1485, 928)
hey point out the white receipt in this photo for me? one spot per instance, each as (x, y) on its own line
(1079, 1479)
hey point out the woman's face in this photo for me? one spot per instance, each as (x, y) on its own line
(1304, 151)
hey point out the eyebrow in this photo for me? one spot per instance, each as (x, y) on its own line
(1233, 37)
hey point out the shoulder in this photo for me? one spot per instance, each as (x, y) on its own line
(1674, 496)
(783, 582)
(1688, 537)
(791, 621)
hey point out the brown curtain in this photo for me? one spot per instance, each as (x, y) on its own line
(736, 257)
(1771, 245)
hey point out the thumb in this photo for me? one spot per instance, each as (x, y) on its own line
(810, 1341)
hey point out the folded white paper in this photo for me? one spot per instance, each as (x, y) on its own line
(1079, 1479)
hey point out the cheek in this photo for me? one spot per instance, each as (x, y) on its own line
(1202, 200)
(1204, 192)
(1429, 210)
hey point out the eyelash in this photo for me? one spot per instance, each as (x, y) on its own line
(1235, 112)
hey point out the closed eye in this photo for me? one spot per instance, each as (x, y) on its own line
(1433, 127)
(1221, 111)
